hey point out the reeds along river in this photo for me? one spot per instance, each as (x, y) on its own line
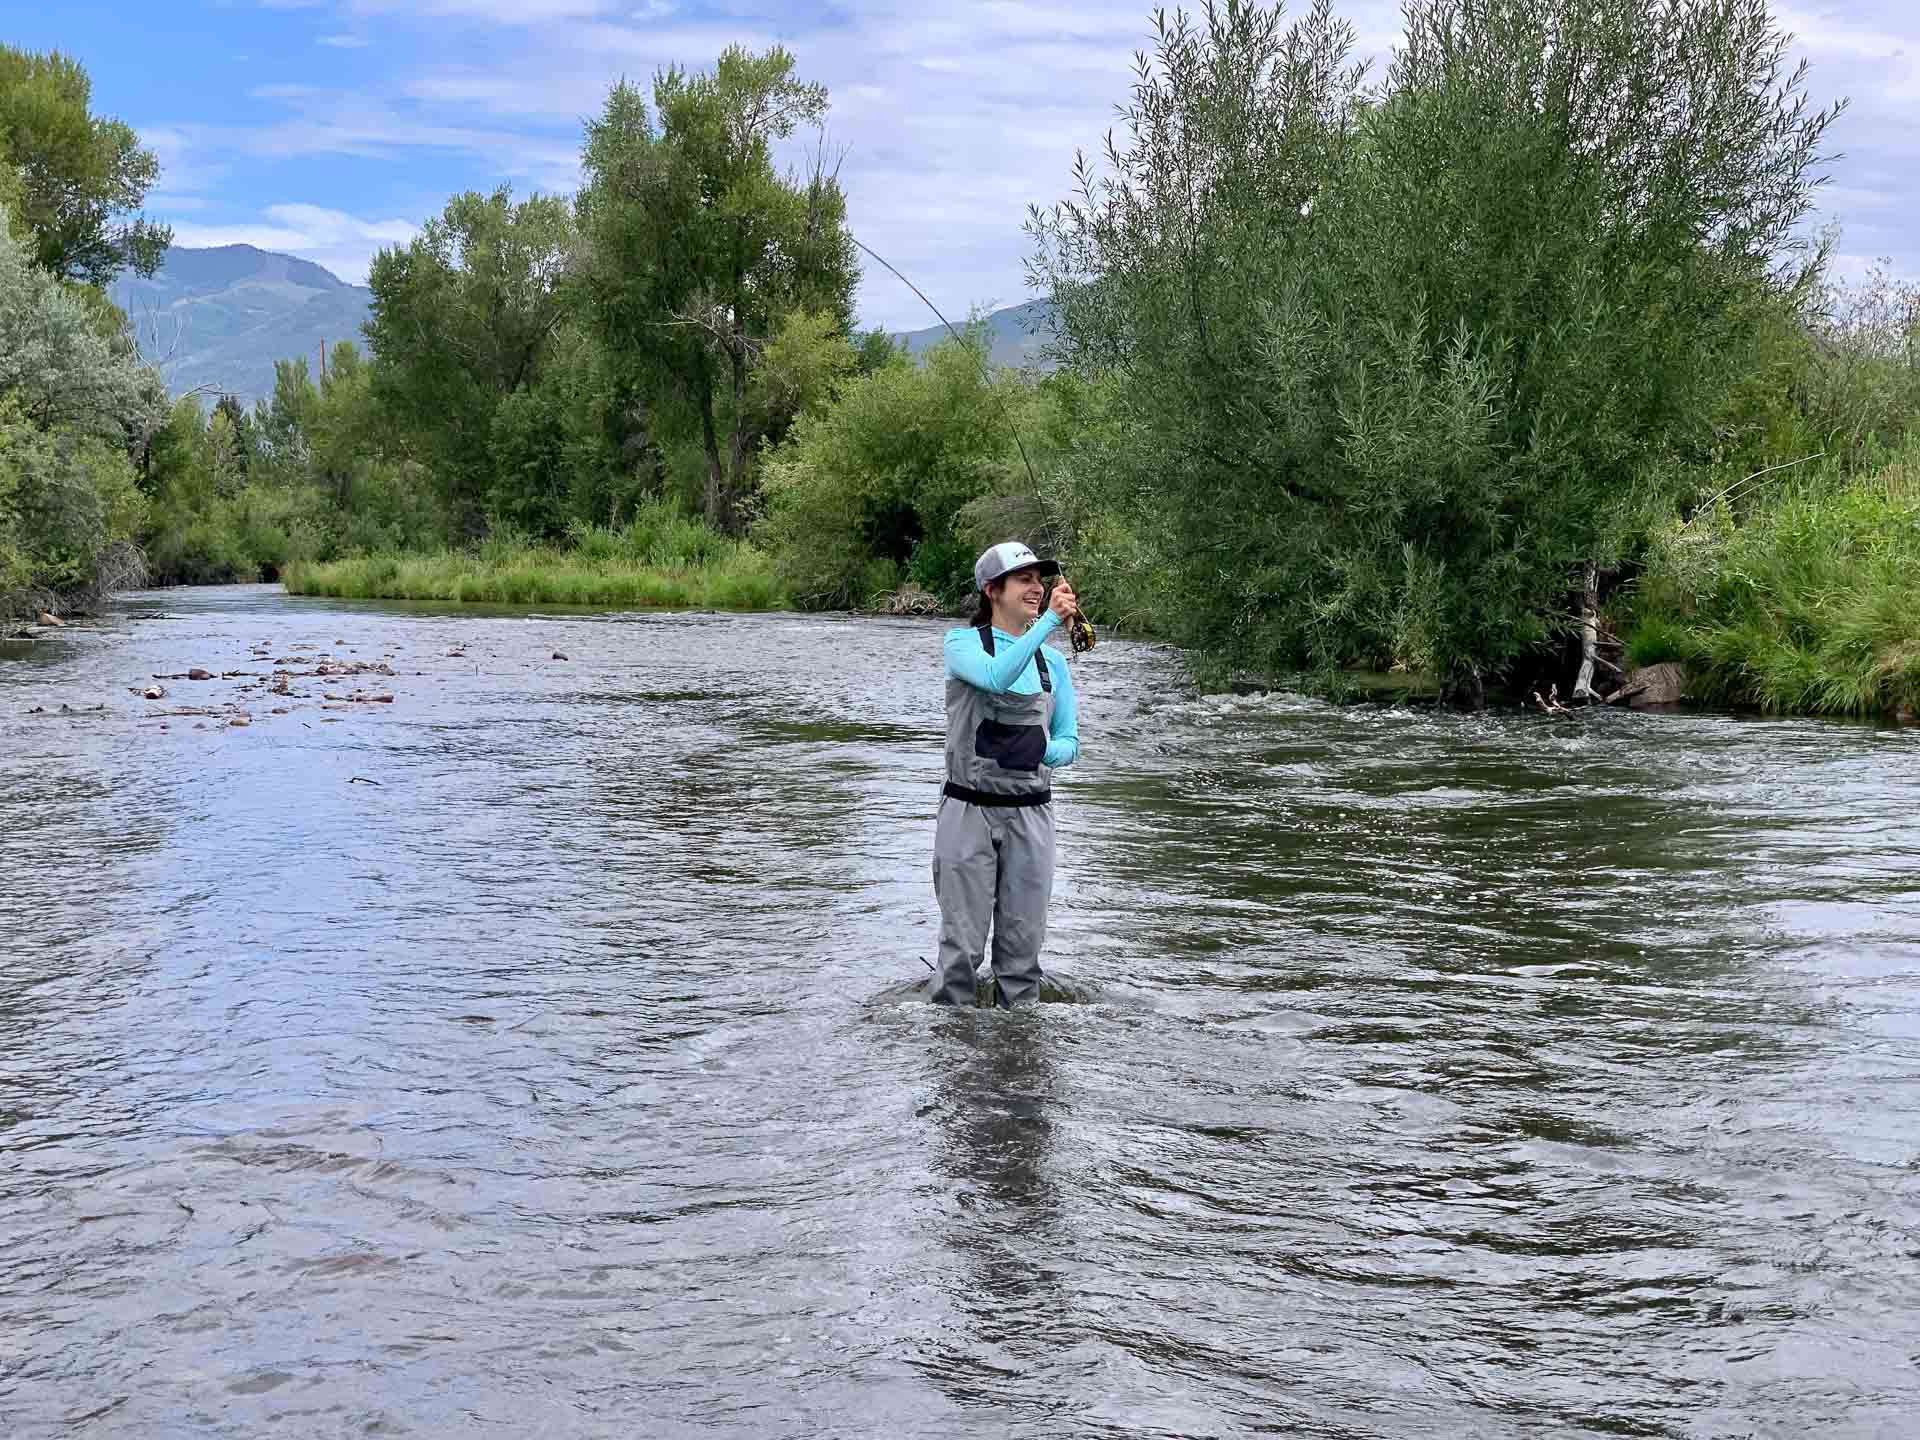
(528, 1053)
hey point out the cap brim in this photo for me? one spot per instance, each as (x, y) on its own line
(1045, 567)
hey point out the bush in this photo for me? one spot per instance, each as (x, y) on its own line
(860, 490)
(944, 569)
(1655, 641)
(64, 498)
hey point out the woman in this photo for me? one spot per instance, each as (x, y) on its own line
(1011, 722)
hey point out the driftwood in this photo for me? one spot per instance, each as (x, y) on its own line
(910, 599)
(1551, 704)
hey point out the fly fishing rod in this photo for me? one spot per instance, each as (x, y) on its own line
(1079, 629)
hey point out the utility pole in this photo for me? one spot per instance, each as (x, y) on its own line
(323, 357)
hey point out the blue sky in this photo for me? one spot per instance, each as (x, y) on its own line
(328, 128)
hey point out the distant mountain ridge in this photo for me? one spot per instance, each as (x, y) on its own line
(217, 319)
(1019, 335)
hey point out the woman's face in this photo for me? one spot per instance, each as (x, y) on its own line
(1022, 593)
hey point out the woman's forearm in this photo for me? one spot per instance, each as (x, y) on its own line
(996, 673)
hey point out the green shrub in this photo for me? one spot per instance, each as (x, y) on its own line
(944, 569)
(863, 488)
(1655, 641)
(64, 498)
(1804, 605)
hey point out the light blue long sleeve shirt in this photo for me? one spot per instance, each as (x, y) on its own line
(1010, 671)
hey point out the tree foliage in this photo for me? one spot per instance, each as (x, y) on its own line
(874, 486)
(62, 372)
(463, 321)
(72, 406)
(698, 249)
(77, 179)
(1396, 361)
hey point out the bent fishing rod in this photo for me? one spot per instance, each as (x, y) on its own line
(1080, 633)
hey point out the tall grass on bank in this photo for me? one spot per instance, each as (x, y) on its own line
(1809, 605)
(662, 558)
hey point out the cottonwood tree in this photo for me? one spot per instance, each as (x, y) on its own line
(77, 180)
(697, 248)
(464, 319)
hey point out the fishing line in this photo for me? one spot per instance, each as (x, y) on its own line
(1080, 632)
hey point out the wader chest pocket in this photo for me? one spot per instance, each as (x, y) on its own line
(1013, 747)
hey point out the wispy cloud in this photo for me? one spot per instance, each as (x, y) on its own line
(498, 12)
(957, 116)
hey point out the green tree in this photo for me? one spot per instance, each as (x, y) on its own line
(285, 420)
(79, 179)
(463, 320)
(1398, 366)
(240, 442)
(60, 370)
(876, 482)
(697, 249)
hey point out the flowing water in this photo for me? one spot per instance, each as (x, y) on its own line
(533, 1054)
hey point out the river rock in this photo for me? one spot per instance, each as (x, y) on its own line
(198, 674)
(47, 617)
(1662, 684)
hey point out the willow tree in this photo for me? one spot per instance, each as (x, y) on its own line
(1401, 363)
(698, 249)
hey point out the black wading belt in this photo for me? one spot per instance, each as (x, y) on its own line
(1022, 801)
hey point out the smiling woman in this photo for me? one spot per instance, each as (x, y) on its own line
(1012, 721)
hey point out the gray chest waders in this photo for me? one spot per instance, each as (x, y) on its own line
(993, 842)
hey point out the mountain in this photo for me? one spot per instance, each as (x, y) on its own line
(217, 319)
(1019, 333)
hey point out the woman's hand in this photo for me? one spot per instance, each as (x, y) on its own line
(1063, 604)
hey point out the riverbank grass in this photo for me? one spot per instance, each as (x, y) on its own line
(661, 559)
(1807, 605)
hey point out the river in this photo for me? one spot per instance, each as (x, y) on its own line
(534, 1052)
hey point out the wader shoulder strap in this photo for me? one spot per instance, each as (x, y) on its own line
(1039, 657)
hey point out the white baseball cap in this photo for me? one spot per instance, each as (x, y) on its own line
(1005, 558)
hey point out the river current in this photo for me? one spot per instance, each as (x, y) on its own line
(536, 1052)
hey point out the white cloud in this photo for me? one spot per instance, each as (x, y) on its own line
(344, 42)
(957, 115)
(499, 12)
(344, 244)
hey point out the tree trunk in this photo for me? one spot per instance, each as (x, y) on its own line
(1583, 691)
(737, 445)
(716, 474)
(737, 354)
